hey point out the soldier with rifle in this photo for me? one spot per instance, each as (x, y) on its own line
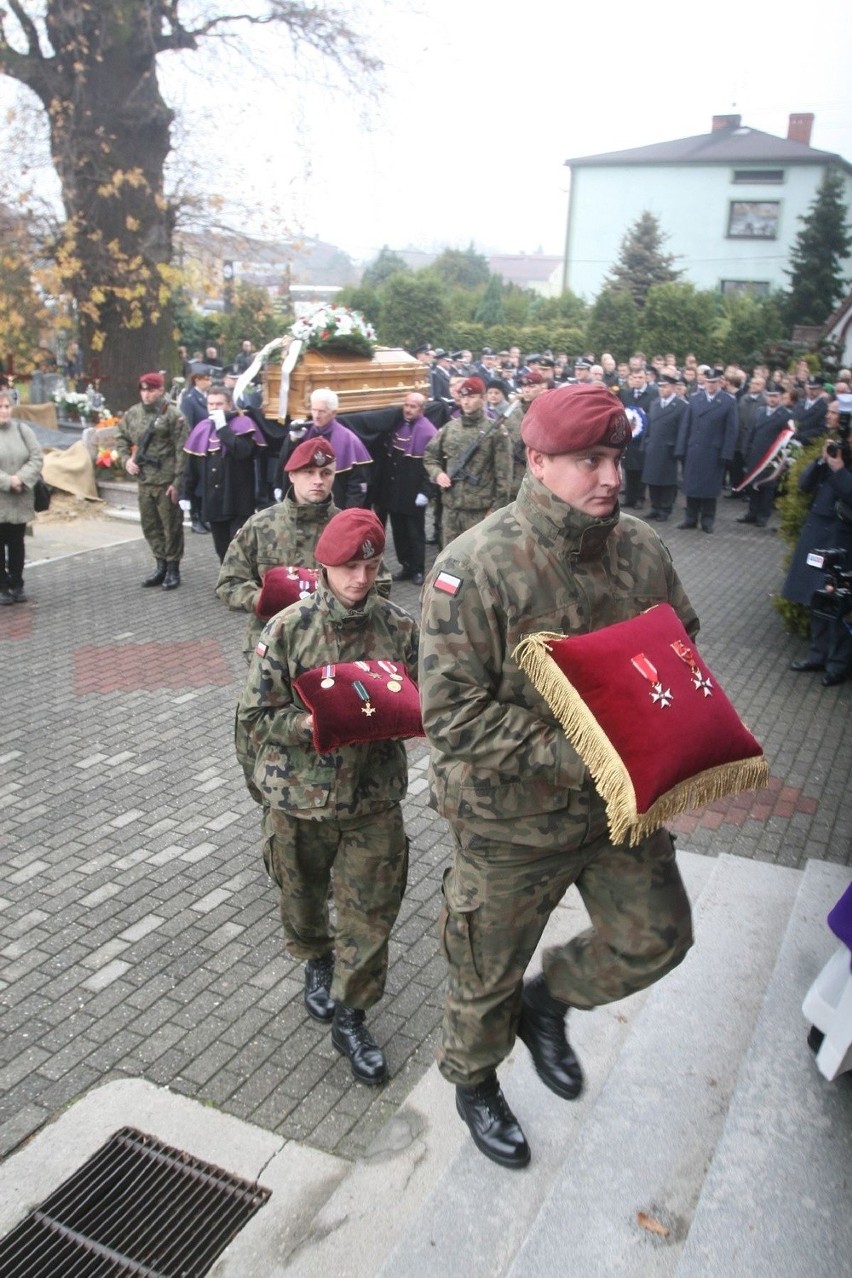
(150, 441)
(471, 462)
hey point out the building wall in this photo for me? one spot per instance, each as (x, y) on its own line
(692, 203)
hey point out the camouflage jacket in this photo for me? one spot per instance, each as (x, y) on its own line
(273, 746)
(283, 534)
(499, 761)
(489, 471)
(164, 447)
(513, 421)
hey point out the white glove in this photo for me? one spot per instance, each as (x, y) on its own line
(186, 506)
(217, 417)
(278, 493)
(421, 500)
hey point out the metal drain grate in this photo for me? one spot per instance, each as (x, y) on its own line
(137, 1207)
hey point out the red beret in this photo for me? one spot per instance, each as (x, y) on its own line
(352, 534)
(571, 418)
(532, 378)
(151, 381)
(311, 452)
(472, 386)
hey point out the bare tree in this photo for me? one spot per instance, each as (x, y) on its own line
(93, 68)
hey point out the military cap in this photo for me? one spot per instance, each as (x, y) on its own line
(571, 418)
(440, 353)
(546, 361)
(533, 378)
(472, 386)
(816, 382)
(422, 348)
(670, 379)
(773, 388)
(457, 355)
(351, 534)
(486, 350)
(311, 452)
(714, 374)
(151, 381)
(533, 359)
(582, 363)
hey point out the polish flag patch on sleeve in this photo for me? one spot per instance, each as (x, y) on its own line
(446, 582)
(261, 649)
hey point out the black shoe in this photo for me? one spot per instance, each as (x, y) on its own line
(318, 977)
(18, 596)
(687, 524)
(158, 576)
(653, 514)
(417, 579)
(351, 1037)
(746, 519)
(402, 575)
(815, 1037)
(172, 578)
(495, 1130)
(542, 1028)
(6, 597)
(707, 525)
(832, 680)
(805, 666)
(198, 527)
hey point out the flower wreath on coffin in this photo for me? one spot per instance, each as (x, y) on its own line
(646, 716)
(355, 702)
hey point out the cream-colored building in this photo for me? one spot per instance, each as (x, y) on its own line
(728, 201)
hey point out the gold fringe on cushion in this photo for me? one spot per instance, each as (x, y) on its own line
(605, 764)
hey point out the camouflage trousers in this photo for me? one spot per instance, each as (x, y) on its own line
(497, 900)
(455, 521)
(366, 858)
(162, 523)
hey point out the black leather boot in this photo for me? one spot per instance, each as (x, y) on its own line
(172, 578)
(158, 576)
(318, 977)
(495, 1130)
(351, 1037)
(542, 1028)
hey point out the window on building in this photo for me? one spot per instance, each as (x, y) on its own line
(754, 288)
(758, 175)
(753, 219)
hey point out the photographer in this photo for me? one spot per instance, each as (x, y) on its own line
(829, 478)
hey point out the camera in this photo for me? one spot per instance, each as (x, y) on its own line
(834, 601)
(835, 447)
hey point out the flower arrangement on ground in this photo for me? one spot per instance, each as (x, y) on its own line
(336, 328)
(76, 406)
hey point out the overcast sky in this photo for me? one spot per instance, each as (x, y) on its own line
(482, 106)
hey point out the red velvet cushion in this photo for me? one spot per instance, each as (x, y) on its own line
(283, 586)
(656, 731)
(343, 717)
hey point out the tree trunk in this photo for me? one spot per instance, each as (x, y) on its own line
(109, 133)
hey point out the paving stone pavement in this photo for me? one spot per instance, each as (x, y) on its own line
(138, 933)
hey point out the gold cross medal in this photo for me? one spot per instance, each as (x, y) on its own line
(362, 692)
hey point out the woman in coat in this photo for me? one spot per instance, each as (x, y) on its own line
(20, 466)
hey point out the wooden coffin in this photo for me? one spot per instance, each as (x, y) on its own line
(361, 384)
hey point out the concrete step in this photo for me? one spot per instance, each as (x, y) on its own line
(646, 1147)
(403, 1209)
(778, 1195)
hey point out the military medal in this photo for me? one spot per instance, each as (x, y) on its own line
(393, 684)
(699, 682)
(659, 695)
(327, 680)
(362, 692)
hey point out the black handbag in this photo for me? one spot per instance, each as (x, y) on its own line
(41, 495)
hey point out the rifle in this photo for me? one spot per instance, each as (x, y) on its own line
(141, 457)
(459, 470)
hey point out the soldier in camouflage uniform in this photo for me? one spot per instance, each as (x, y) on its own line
(340, 809)
(156, 431)
(484, 482)
(283, 534)
(531, 385)
(526, 819)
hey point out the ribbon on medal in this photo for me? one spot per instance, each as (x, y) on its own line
(699, 682)
(362, 692)
(659, 695)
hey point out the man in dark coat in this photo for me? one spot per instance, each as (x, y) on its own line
(810, 413)
(750, 410)
(221, 452)
(193, 409)
(665, 415)
(636, 394)
(829, 478)
(706, 442)
(761, 437)
(404, 488)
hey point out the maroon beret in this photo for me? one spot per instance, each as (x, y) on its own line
(311, 452)
(532, 378)
(571, 418)
(472, 386)
(352, 534)
(151, 381)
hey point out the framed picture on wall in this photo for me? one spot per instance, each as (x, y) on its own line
(753, 219)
